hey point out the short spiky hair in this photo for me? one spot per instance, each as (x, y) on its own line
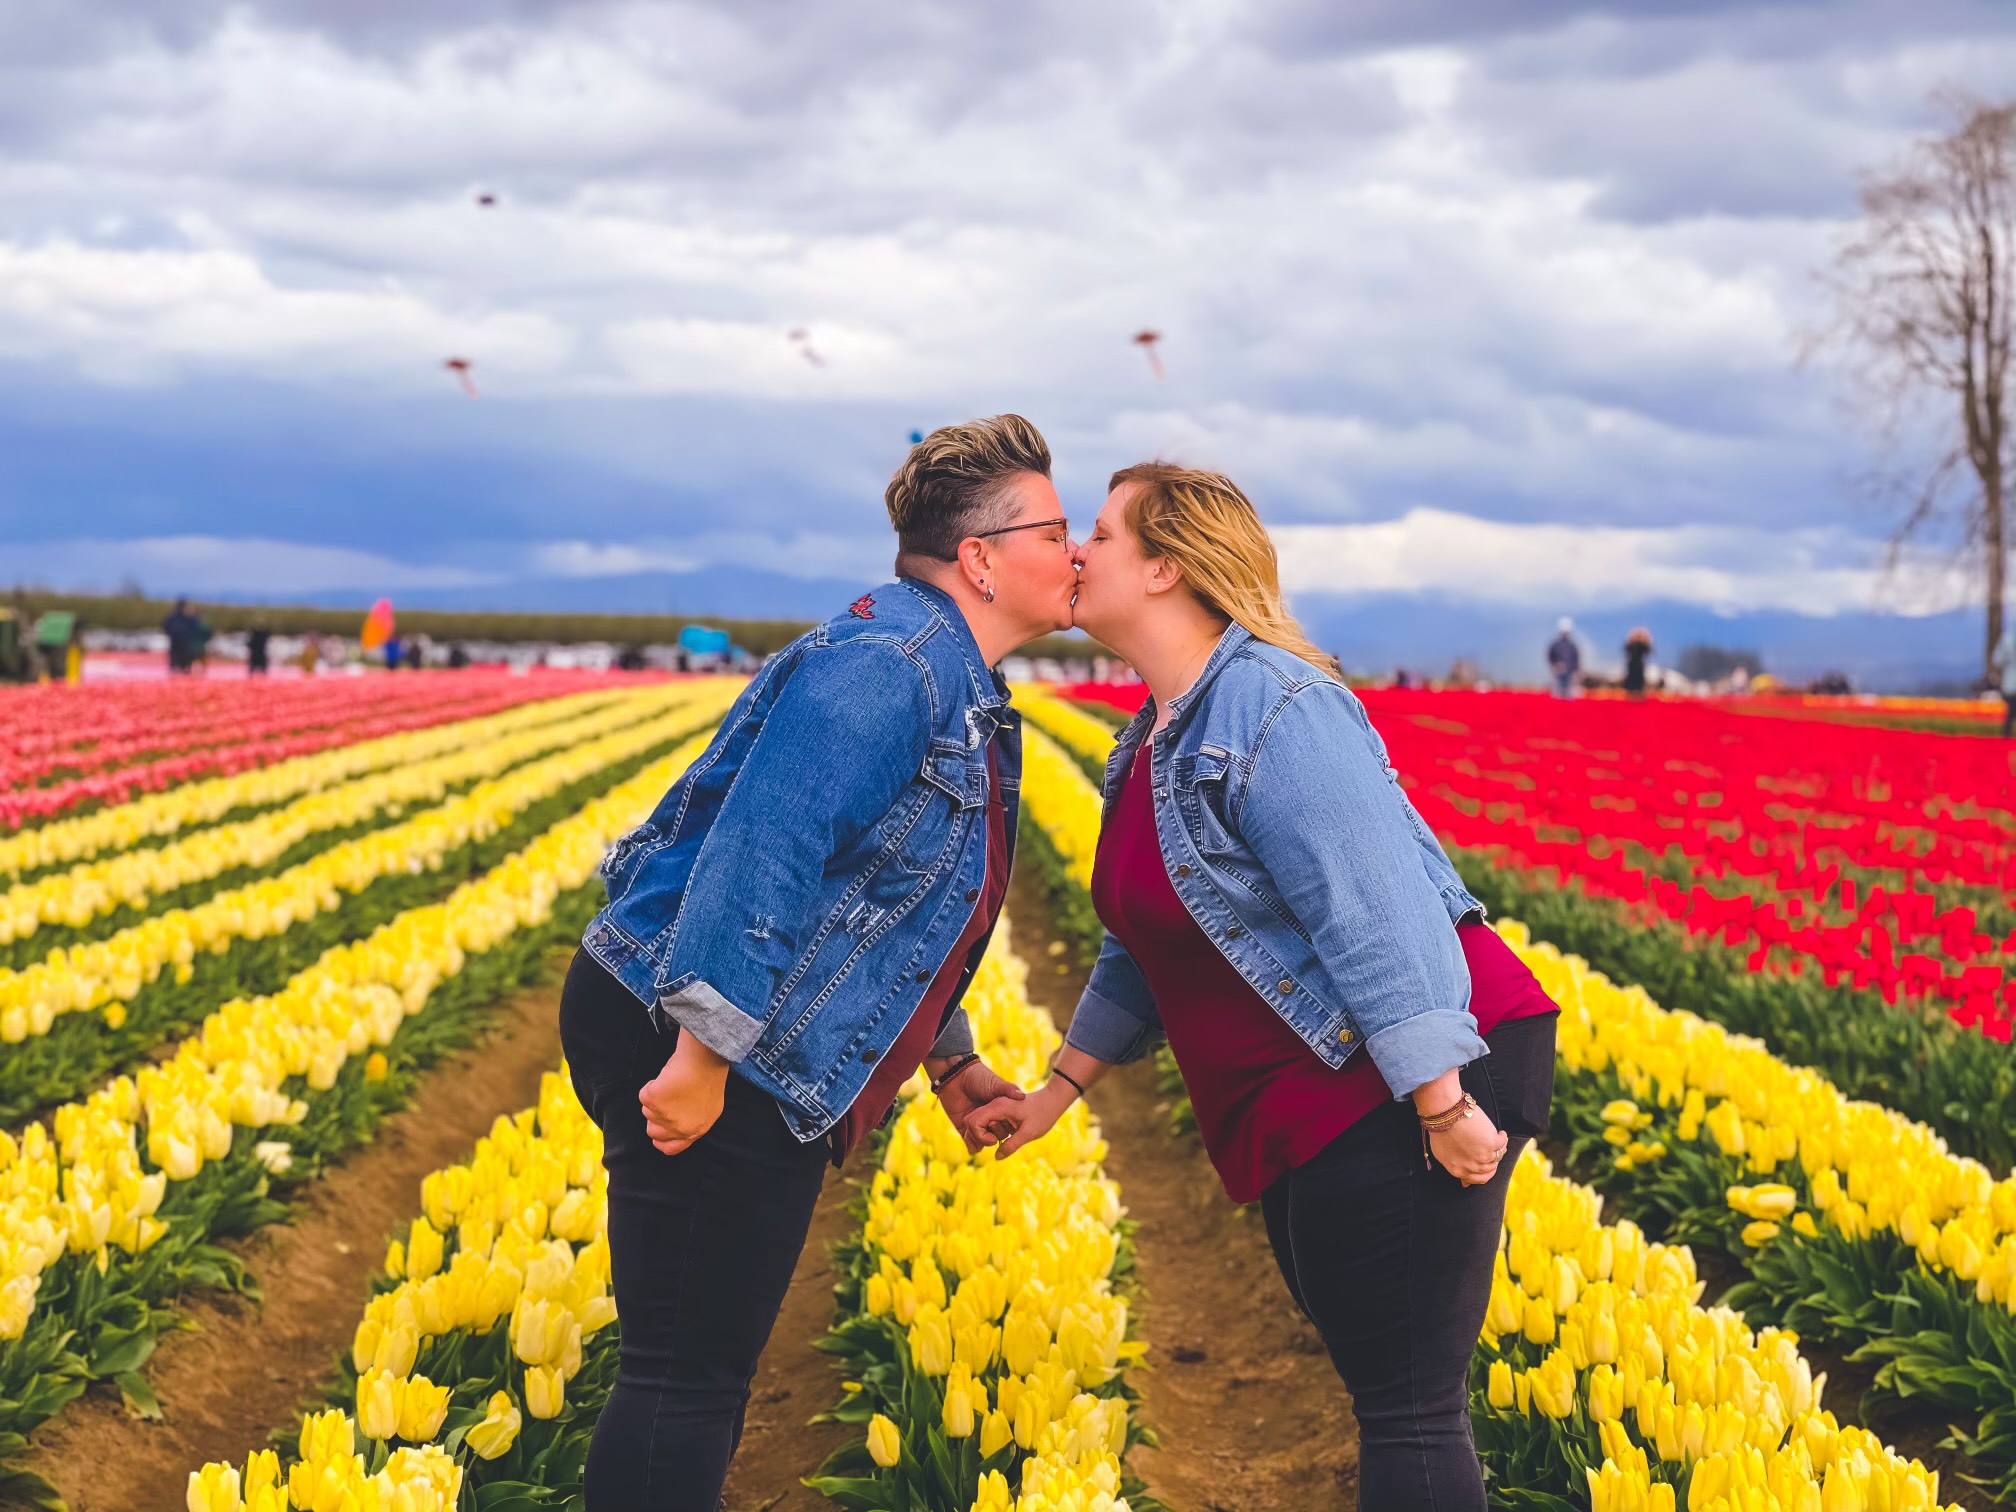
(949, 487)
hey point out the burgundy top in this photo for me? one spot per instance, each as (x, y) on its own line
(1265, 1101)
(917, 1036)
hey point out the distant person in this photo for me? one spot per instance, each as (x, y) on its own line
(1564, 659)
(394, 649)
(180, 628)
(415, 655)
(201, 636)
(458, 656)
(2009, 682)
(258, 642)
(1637, 651)
(311, 653)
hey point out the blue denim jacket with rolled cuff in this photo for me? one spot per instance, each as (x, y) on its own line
(795, 892)
(1288, 839)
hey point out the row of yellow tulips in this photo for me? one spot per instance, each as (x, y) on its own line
(447, 757)
(190, 805)
(1864, 1168)
(1600, 1366)
(514, 1237)
(106, 974)
(90, 1180)
(1671, 1057)
(996, 1279)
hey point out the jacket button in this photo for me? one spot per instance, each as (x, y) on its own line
(972, 893)
(1183, 870)
(1345, 1036)
(1286, 985)
(867, 1057)
(923, 976)
(1234, 932)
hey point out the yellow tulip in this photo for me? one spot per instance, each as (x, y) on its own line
(422, 1407)
(957, 1414)
(499, 1429)
(545, 1391)
(1498, 1388)
(214, 1488)
(378, 1404)
(885, 1444)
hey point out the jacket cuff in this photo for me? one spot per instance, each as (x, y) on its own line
(1421, 1048)
(1107, 1032)
(711, 1019)
(955, 1035)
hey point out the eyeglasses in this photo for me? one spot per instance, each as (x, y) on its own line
(1032, 525)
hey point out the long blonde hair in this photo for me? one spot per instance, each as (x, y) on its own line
(1204, 524)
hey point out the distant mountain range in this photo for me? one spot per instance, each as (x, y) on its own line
(1425, 633)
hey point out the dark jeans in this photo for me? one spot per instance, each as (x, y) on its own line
(701, 1245)
(1392, 1262)
(2008, 714)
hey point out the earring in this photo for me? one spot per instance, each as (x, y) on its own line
(986, 593)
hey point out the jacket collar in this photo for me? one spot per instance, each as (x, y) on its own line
(990, 689)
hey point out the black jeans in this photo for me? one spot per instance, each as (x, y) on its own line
(1391, 1261)
(701, 1246)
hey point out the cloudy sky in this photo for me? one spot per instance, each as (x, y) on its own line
(1494, 300)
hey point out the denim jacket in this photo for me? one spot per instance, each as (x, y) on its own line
(797, 889)
(1286, 835)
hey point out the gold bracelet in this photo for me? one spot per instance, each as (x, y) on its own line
(1449, 1117)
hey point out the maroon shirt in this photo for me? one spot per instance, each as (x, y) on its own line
(1265, 1101)
(917, 1036)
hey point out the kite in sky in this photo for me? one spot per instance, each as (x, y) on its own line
(487, 201)
(802, 339)
(460, 366)
(1146, 341)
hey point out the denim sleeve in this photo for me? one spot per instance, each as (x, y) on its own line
(1339, 840)
(1115, 1021)
(846, 735)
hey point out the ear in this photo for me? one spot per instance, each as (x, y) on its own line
(1163, 575)
(975, 562)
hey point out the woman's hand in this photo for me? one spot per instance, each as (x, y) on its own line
(1033, 1117)
(973, 1090)
(682, 1101)
(1471, 1148)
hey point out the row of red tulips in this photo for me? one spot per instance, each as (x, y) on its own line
(243, 730)
(1873, 858)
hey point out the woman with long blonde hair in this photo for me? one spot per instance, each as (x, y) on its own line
(1274, 906)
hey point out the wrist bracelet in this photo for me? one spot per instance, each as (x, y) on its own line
(970, 1058)
(1450, 1116)
(1067, 1076)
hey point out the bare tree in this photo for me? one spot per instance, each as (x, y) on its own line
(1924, 291)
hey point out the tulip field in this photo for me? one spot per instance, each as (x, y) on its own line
(242, 927)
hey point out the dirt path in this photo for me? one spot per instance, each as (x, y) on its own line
(246, 1368)
(1250, 1414)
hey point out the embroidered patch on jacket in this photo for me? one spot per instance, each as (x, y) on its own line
(863, 607)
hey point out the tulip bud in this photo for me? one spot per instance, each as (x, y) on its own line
(1498, 1389)
(545, 1391)
(885, 1444)
(422, 1407)
(378, 1404)
(994, 1433)
(957, 1414)
(214, 1488)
